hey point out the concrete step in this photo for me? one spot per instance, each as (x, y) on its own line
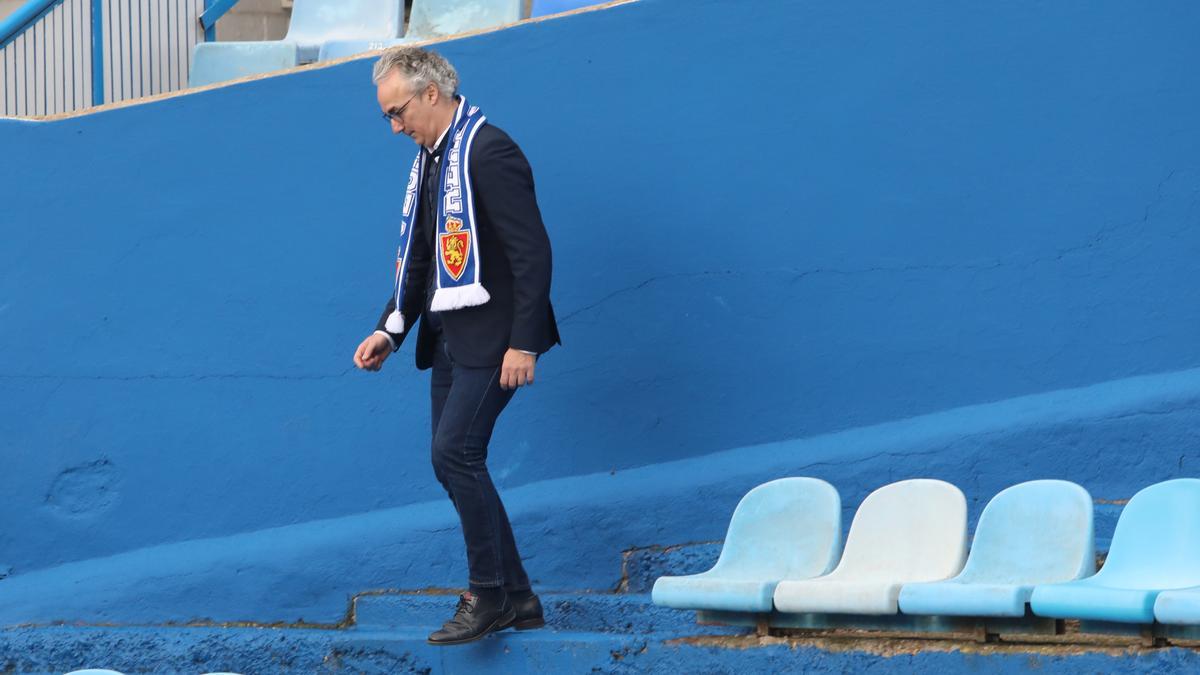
(164, 650)
(632, 614)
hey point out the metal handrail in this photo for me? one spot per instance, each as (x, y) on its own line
(213, 10)
(23, 17)
(63, 55)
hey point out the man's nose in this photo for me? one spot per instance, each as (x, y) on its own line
(397, 128)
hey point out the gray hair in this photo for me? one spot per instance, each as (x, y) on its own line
(421, 67)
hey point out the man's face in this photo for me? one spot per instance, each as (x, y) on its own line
(412, 112)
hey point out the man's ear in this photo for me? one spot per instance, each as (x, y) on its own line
(432, 93)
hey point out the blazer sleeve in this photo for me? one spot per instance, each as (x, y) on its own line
(503, 184)
(417, 278)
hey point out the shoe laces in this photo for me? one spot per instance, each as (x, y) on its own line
(466, 606)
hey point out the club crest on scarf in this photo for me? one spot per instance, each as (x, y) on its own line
(459, 263)
(455, 247)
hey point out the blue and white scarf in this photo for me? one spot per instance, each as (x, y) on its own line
(457, 243)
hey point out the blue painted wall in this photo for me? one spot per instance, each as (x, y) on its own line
(786, 220)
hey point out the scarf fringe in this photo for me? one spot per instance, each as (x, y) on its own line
(457, 297)
(395, 322)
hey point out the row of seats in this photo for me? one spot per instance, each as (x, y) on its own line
(907, 552)
(321, 30)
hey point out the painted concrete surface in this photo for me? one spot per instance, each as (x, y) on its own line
(969, 255)
(569, 645)
(577, 533)
(969, 202)
(605, 613)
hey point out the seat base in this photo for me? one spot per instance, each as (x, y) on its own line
(711, 592)
(1093, 602)
(952, 598)
(1178, 607)
(837, 597)
(980, 628)
(708, 617)
(873, 622)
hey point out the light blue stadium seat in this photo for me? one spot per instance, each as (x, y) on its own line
(544, 7)
(313, 23)
(337, 49)
(789, 528)
(1032, 533)
(913, 530)
(1182, 607)
(1156, 547)
(431, 19)
(221, 61)
(94, 671)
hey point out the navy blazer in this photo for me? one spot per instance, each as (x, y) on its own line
(516, 260)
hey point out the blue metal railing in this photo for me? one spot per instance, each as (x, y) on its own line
(62, 55)
(213, 10)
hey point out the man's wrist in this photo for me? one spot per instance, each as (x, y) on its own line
(390, 339)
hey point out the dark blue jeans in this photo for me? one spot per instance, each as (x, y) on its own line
(466, 403)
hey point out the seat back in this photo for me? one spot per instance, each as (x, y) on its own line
(438, 18)
(1036, 532)
(1156, 543)
(790, 528)
(317, 21)
(544, 7)
(913, 530)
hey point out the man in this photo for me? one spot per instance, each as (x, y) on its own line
(474, 265)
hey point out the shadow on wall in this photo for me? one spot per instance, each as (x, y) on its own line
(908, 211)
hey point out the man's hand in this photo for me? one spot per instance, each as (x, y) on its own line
(373, 351)
(517, 369)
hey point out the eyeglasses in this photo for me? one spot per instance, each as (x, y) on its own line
(399, 113)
